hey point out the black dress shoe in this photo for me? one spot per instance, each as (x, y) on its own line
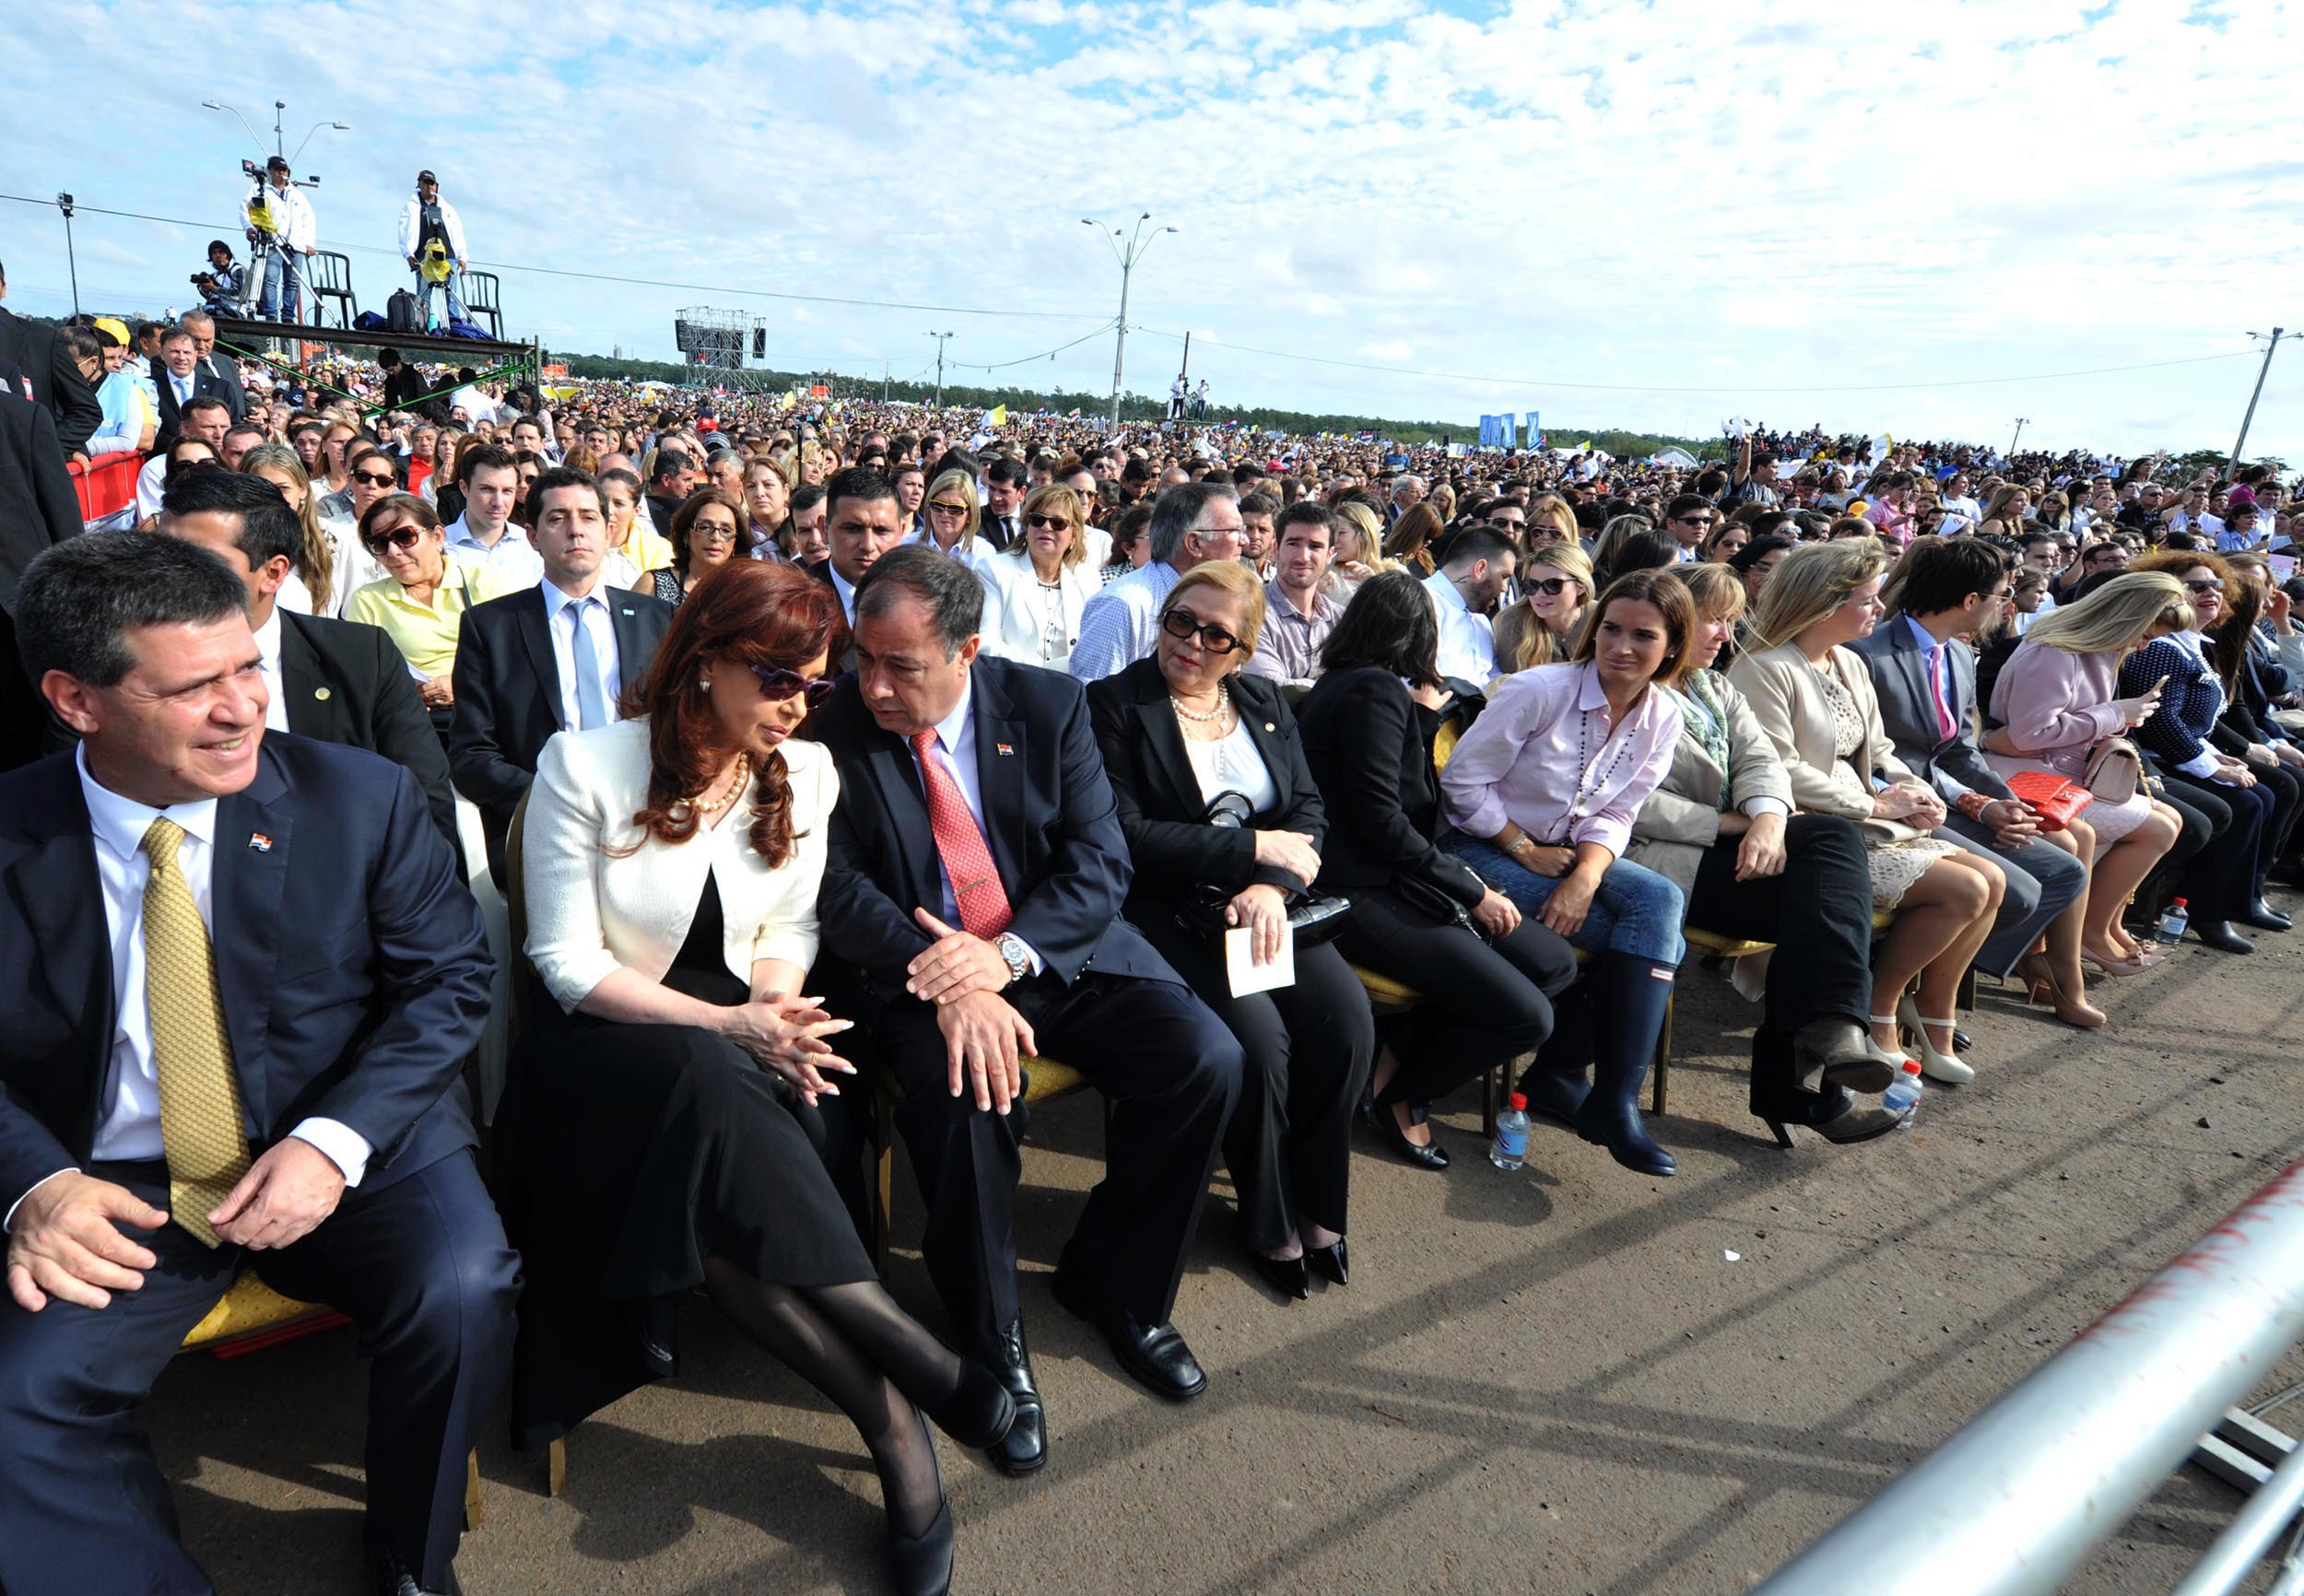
(980, 1411)
(1023, 1449)
(1331, 1263)
(1288, 1276)
(2218, 933)
(394, 1578)
(1154, 1354)
(923, 1563)
(2263, 917)
(1962, 1043)
(1423, 1154)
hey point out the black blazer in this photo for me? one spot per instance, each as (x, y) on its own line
(38, 504)
(226, 371)
(1370, 753)
(55, 378)
(1049, 816)
(346, 683)
(350, 959)
(508, 693)
(206, 385)
(1161, 811)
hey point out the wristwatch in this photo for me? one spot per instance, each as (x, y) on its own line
(1013, 952)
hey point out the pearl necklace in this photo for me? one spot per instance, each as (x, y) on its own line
(1210, 718)
(715, 805)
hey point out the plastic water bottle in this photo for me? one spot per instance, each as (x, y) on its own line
(2169, 929)
(1512, 1134)
(1903, 1093)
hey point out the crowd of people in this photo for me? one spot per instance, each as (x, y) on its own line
(835, 755)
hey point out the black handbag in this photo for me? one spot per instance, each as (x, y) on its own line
(1315, 917)
(1429, 900)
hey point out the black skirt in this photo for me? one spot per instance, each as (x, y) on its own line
(631, 1153)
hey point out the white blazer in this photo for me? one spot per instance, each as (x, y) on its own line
(1016, 609)
(589, 911)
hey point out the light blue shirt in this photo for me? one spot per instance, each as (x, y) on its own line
(513, 558)
(1120, 625)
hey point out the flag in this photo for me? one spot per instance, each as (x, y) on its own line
(999, 416)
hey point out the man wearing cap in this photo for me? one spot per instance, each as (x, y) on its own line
(427, 219)
(285, 229)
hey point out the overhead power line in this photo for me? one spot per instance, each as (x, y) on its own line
(1026, 360)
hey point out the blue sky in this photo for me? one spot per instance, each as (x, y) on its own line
(1805, 211)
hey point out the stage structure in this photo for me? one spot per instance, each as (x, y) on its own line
(715, 344)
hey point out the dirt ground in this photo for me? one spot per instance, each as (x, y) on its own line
(1555, 1380)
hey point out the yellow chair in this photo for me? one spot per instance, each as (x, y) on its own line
(1045, 1080)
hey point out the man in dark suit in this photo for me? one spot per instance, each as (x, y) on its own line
(247, 981)
(975, 880)
(223, 368)
(180, 380)
(56, 379)
(337, 681)
(557, 656)
(1925, 674)
(37, 507)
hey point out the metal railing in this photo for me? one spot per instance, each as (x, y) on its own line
(2011, 1504)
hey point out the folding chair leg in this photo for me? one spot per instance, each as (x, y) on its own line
(1963, 999)
(1661, 1068)
(474, 1515)
(556, 1467)
(883, 1197)
(1491, 1098)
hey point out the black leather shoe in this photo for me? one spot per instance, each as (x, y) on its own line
(923, 1563)
(980, 1411)
(393, 1579)
(1962, 1043)
(1424, 1156)
(2218, 933)
(1023, 1449)
(1288, 1276)
(1331, 1263)
(1154, 1354)
(2263, 917)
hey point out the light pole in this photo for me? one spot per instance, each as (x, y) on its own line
(2020, 433)
(63, 204)
(2262, 372)
(942, 339)
(279, 139)
(1137, 244)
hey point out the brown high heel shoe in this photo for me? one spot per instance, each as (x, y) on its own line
(2041, 987)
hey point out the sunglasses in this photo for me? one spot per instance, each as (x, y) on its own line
(1048, 523)
(2211, 584)
(780, 684)
(403, 537)
(946, 506)
(1184, 624)
(1692, 520)
(1505, 523)
(386, 481)
(1551, 586)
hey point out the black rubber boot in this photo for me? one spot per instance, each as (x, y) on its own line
(1630, 995)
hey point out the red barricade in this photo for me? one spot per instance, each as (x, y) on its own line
(107, 484)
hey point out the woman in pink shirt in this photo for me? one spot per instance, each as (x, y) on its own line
(1541, 792)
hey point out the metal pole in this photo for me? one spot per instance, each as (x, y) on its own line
(2246, 420)
(2020, 433)
(1120, 343)
(63, 204)
(2019, 1498)
(2252, 1528)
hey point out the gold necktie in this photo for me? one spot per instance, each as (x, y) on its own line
(201, 1122)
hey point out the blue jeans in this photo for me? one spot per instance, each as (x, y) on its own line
(1635, 910)
(282, 282)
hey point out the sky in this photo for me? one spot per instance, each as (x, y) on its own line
(1649, 215)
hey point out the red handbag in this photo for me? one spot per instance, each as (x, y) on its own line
(2056, 799)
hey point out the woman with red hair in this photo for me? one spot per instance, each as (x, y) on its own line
(664, 1130)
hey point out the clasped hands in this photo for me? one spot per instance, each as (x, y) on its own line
(785, 1037)
(1909, 801)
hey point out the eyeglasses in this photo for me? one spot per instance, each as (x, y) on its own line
(1692, 520)
(946, 506)
(1048, 523)
(1506, 523)
(386, 481)
(1184, 624)
(2207, 584)
(780, 684)
(402, 536)
(1551, 586)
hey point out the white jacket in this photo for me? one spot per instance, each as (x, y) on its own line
(412, 218)
(1015, 608)
(589, 912)
(291, 214)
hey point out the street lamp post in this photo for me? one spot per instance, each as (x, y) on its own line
(1137, 244)
(279, 139)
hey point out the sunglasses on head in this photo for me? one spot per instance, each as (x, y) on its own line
(401, 536)
(782, 684)
(1182, 624)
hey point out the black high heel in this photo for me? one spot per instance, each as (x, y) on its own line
(980, 1412)
(1331, 1263)
(1291, 1277)
(923, 1562)
(1424, 1156)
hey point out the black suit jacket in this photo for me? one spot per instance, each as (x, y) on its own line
(206, 385)
(350, 960)
(508, 693)
(226, 371)
(1161, 812)
(1048, 817)
(56, 379)
(1372, 758)
(346, 683)
(38, 504)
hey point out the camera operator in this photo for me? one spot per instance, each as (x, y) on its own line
(432, 237)
(280, 227)
(224, 285)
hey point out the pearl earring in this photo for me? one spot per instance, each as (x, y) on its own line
(703, 684)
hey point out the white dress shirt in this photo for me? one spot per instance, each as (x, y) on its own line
(128, 1127)
(556, 606)
(955, 749)
(511, 557)
(841, 586)
(268, 664)
(151, 482)
(1468, 643)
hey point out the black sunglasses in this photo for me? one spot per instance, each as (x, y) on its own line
(1048, 523)
(782, 684)
(402, 536)
(372, 480)
(2210, 585)
(1182, 624)
(1550, 586)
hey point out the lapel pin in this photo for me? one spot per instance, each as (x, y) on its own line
(322, 693)
(260, 842)
(1267, 725)
(625, 609)
(1005, 750)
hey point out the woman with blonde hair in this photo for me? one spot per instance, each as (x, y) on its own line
(950, 515)
(311, 588)
(1035, 590)
(1814, 698)
(1359, 539)
(2053, 702)
(1551, 520)
(1555, 593)
(2003, 516)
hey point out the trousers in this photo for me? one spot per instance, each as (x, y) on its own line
(2043, 881)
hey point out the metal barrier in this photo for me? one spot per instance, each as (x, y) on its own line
(2015, 1501)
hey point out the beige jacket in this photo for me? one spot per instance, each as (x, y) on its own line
(1787, 697)
(1681, 818)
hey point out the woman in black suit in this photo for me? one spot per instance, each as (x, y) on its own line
(1419, 915)
(1224, 823)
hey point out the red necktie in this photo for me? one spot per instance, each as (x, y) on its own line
(961, 845)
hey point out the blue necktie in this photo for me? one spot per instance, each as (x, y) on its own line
(591, 709)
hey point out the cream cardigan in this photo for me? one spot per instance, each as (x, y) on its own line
(589, 912)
